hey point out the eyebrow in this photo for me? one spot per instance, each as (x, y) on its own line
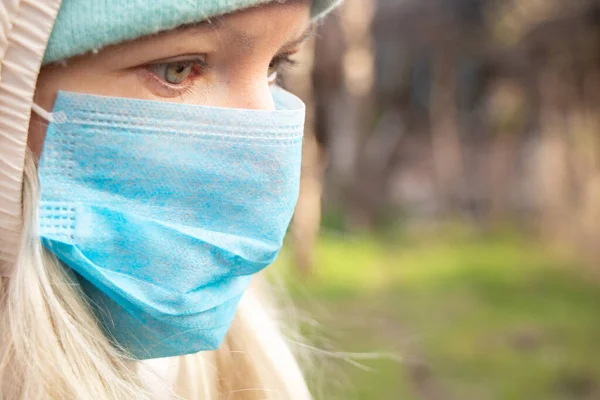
(246, 40)
(249, 41)
(303, 38)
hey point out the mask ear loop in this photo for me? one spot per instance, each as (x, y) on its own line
(57, 117)
(42, 113)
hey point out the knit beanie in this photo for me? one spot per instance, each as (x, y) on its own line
(75, 27)
(84, 25)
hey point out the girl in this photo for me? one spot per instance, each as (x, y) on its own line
(149, 167)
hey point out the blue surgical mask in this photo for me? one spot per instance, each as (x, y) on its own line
(165, 211)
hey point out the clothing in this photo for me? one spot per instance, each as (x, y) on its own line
(84, 25)
(24, 30)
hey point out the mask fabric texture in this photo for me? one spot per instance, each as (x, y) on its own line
(165, 210)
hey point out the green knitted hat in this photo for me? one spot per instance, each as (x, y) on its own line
(84, 25)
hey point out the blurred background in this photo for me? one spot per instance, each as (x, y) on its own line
(446, 244)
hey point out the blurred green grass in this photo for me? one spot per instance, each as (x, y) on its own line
(469, 316)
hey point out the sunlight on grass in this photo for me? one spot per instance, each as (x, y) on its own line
(478, 317)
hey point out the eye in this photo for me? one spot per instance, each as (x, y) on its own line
(173, 73)
(277, 64)
(176, 72)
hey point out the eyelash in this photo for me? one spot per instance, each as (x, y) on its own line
(199, 66)
(282, 61)
(277, 65)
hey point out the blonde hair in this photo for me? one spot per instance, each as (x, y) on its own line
(52, 347)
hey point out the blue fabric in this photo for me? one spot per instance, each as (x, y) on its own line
(166, 210)
(84, 25)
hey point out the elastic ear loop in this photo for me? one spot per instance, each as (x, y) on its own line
(42, 113)
(57, 117)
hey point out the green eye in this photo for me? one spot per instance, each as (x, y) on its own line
(175, 72)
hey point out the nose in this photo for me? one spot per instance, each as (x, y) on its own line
(251, 95)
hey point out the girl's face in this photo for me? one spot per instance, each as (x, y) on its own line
(229, 61)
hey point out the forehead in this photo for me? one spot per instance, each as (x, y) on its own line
(278, 18)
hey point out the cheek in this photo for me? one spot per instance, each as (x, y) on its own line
(37, 133)
(48, 84)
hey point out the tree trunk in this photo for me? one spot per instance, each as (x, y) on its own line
(445, 137)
